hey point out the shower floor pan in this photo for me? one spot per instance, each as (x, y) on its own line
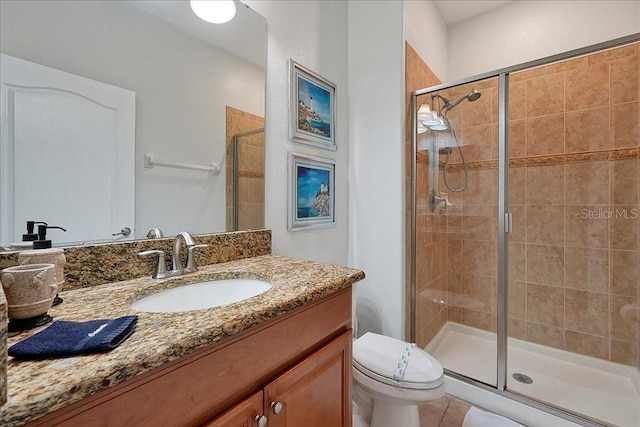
(599, 389)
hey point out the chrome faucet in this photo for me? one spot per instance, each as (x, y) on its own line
(177, 268)
(188, 241)
(155, 233)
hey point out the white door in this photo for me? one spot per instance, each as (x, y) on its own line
(45, 115)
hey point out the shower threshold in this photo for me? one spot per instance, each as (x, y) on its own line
(596, 388)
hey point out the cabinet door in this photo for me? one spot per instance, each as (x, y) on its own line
(315, 392)
(247, 413)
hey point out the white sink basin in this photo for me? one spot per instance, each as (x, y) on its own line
(200, 296)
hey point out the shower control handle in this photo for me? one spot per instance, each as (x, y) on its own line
(435, 201)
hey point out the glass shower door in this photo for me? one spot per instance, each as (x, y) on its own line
(573, 252)
(457, 209)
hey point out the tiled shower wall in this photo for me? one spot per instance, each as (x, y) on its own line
(575, 188)
(250, 170)
(574, 191)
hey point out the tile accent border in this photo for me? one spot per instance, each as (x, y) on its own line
(619, 154)
(249, 174)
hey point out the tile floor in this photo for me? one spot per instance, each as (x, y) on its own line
(447, 411)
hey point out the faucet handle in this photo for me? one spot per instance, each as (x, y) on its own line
(191, 260)
(161, 268)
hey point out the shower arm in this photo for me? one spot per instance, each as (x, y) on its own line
(445, 102)
(448, 106)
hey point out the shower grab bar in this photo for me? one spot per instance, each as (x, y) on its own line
(150, 162)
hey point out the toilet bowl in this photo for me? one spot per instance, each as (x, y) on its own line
(391, 378)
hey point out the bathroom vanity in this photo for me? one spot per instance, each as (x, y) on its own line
(284, 355)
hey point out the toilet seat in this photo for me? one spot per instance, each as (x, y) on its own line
(396, 363)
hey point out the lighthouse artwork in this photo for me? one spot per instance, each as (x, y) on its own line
(311, 194)
(312, 115)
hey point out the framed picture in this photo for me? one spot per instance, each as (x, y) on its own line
(311, 192)
(312, 108)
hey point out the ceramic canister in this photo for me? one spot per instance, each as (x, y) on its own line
(29, 289)
(53, 256)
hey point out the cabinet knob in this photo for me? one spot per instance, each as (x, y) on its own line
(276, 407)
(261, 420)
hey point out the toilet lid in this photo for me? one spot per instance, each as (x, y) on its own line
(396, 362)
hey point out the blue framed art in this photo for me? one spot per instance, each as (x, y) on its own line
(312, 110)
(311, 192)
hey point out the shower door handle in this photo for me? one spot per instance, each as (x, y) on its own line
(508, 222)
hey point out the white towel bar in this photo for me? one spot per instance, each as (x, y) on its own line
(150, 162)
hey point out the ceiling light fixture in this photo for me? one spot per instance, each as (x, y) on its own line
(440, 126)
(214, 11)
(429, 118)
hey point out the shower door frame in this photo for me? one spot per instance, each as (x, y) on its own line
(504, 220)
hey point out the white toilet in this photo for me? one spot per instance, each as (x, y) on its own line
(391, 378)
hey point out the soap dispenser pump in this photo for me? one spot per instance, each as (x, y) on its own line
(42, 242)
(31, 236)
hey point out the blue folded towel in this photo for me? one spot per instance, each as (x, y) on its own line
(64, 338)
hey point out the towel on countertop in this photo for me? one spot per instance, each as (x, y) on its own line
(64, 338)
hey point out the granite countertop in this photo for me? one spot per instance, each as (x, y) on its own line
(36, 388)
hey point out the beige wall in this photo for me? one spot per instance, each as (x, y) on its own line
(376, 174)
(427, 33)
(574, 138)
(314, 34)
(525, 30)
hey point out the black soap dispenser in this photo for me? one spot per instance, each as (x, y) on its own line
(42, 242)
(31, 236)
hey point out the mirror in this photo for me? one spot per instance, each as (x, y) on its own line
(197, 86)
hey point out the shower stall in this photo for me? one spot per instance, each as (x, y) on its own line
(524, 240)
(244, 168)
(247, 180)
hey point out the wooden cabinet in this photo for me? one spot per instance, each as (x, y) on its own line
(301, 359)
(247, 413)
(314, 393)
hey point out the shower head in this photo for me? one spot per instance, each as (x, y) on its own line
(472, 96)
